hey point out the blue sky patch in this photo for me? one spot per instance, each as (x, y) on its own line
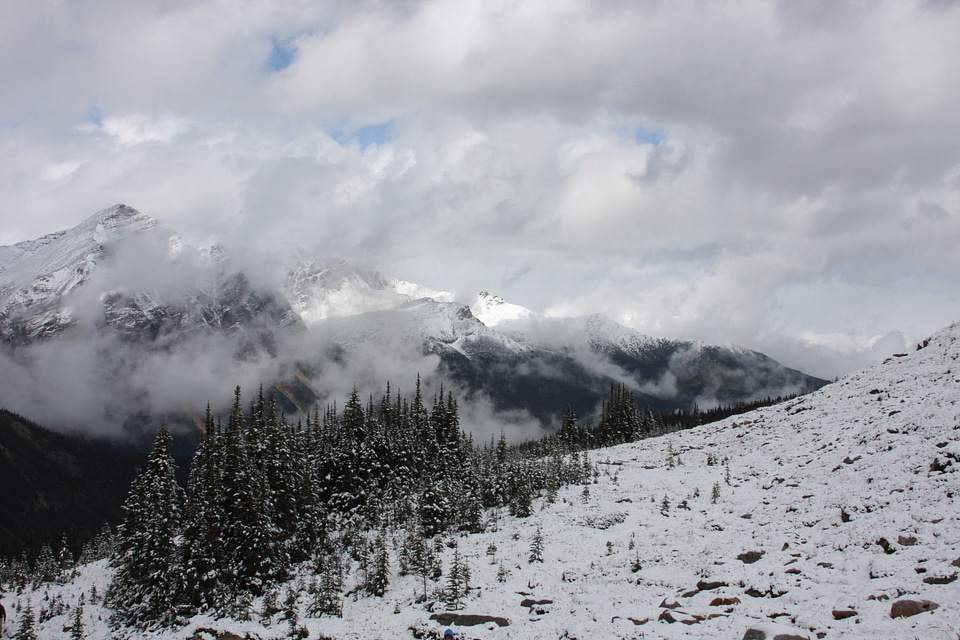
(649, 135)
(94, 116)
(281, 55)
(378, 134)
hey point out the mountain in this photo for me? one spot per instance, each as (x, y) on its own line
(833, 515)
(118, 322)
(56, 486)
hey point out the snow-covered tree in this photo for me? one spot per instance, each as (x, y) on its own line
(27, 629)
(148, 572)
(203, 553)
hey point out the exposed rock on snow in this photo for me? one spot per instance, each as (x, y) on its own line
(907, 608)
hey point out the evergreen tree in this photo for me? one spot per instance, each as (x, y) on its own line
(76, 630)
(419, 557)
(27, 628)
(148, 574)
(249, 535)
(380, 569)
(203, 551)
(65, 560)
(458, 580)
(45, 567)
(536, 547)
(328, 600)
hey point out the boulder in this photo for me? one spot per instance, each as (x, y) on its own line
(705, 585)
(749, 557)
(773, 631)
(526, 603)
(843, 614)
(671, 617)
(907, 608)
(468, 619)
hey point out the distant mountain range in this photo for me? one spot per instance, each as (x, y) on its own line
(116, 323)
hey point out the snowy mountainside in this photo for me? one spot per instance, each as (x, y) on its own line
(492, 310)
(818, 517)
(318, 290)
(440, 327)
(35, 275)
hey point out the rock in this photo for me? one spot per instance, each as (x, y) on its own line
(906, 541)
(843, 614)
(749, 557)
(773, 631)
(671, 617)
(467, 620)
(940, 579)
(672, 604)
(526, 603)
(907, 608)
(955, 563)
(886, 546)
(724, 602)
(704, 585)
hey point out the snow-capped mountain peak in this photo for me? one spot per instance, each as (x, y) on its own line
(493, 310)
(319, 290)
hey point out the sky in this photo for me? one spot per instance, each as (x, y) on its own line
(781, 176)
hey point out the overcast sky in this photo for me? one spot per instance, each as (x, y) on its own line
(783, 176)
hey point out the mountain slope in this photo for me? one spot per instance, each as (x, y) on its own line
(816, 517)
(56, 485)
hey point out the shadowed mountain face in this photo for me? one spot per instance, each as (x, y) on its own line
(114, 324)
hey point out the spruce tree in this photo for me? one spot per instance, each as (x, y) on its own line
(380, 569)
(76, 630)
(249, 534)
(148, 573)
(27, 629)
(203, 553)
(328, 600)
(536, 547)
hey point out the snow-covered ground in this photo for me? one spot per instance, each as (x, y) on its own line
(835, 504)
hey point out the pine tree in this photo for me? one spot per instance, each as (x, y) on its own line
(76, 631)
(27, 629)
(249, 535)
(65, 560)
(536, 547)
(380, 569)
(419, 557)
(327, 600)
(148, 573)
(45, 567)
(203, 554)
(458, 580)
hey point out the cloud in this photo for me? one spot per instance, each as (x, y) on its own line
(684, 167)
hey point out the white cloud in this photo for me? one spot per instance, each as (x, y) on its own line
(687, 166)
